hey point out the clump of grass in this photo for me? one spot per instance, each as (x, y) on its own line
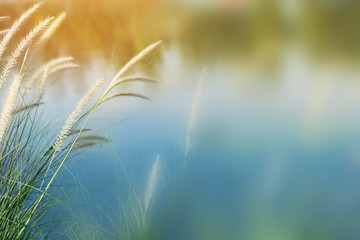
(31, 157)
(133, 218)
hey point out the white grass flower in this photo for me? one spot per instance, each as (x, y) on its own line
(15, 28)
(3, 18)
(194, 112)
(50, 64)
(63, 67)
(41, 87)
(152, 183)
(21, 47)
(48, 72)
(8, 105)
(133, 61)
(63, 134)
(4, 31)
(52, 28)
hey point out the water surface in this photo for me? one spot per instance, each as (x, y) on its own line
(275, 151)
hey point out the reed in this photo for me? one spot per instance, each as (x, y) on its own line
(31, 157)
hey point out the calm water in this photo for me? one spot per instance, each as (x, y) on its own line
(276, 145)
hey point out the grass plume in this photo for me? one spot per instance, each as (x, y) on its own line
(134, 78)
(4, 31)
(26, 107)
(21, 47)
(93, 137)
(43, 80)
(86, 144)
(124, 94)
(51, 64)
(152, 183)
(30, 156)
(51, 29)
(4, 18)
(79, 131)
(194, 112)
(133, 61)
(9, 105)
(74, 115)
(16, 27)
(48, 72)
(62, 67)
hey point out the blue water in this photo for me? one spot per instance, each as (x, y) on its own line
(268, 160)
(275, 150)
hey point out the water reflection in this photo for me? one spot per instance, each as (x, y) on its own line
(252, 35)
(273, 159)
(329, 30)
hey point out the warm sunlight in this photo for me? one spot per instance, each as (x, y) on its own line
(181, 120)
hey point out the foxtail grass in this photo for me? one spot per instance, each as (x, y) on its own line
(193, 118)
(16, 27)
(133, 61)
(4, 18)
(4, 31)
(51, 29)
(8, 106)
(51, 67)
(152, 183)
(73, 116)
(21, 47)
(31, 156)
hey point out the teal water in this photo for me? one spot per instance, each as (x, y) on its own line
(273, 160)
(275, 149)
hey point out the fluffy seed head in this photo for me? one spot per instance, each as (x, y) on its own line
(21, 47)
(52, 28)
(63, 134)
(51, 64)
(134, 60)
(15, 28)
(9, 105)
(194, 112)
(3, 18)
(152, 183)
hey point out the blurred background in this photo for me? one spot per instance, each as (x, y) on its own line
(275, 150)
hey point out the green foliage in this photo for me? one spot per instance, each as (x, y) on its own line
(31, 156)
